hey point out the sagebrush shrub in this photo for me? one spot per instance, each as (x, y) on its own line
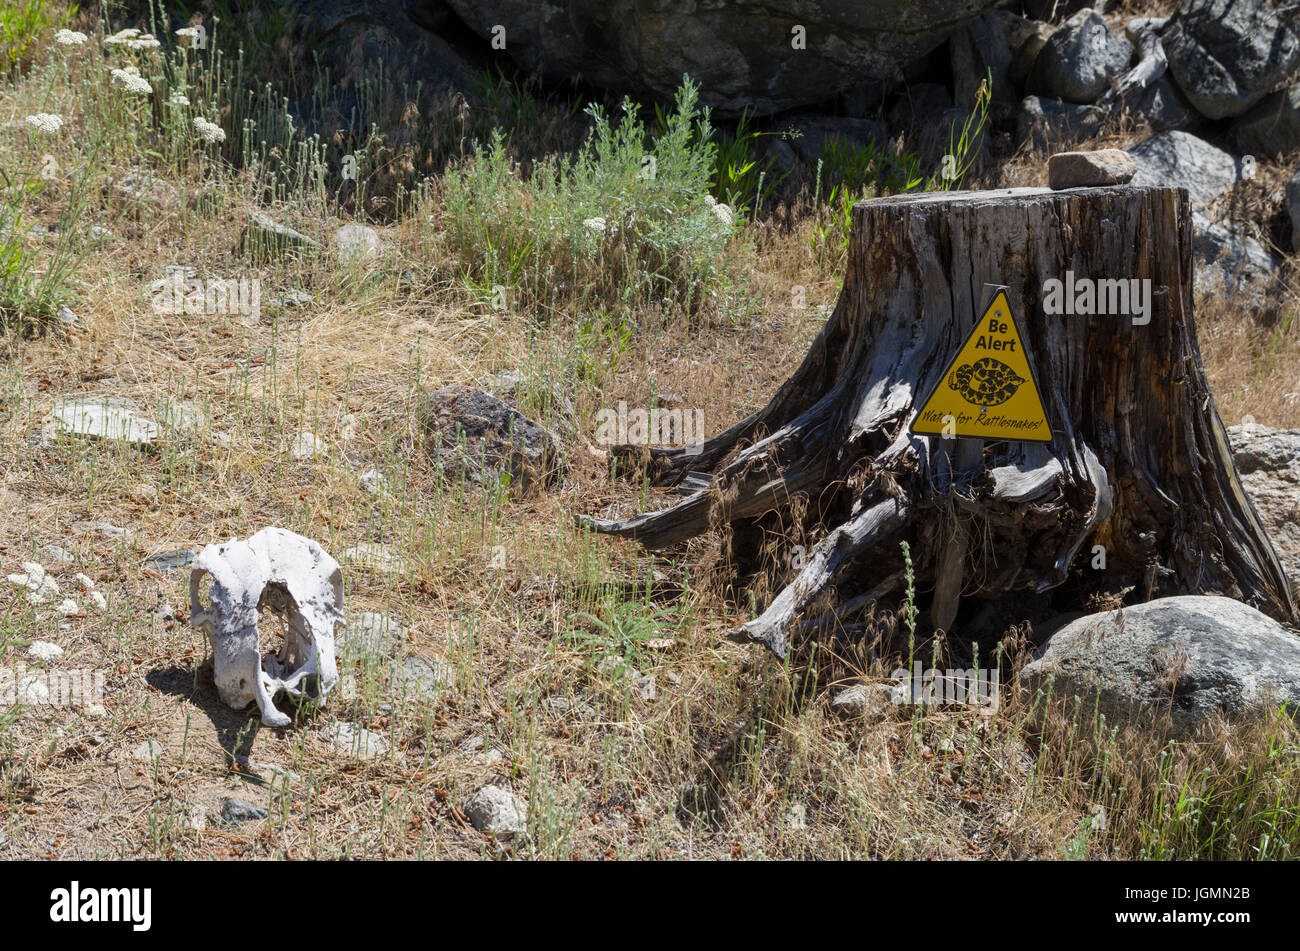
(627, 221)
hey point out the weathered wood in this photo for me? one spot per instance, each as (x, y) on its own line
(1138, 464)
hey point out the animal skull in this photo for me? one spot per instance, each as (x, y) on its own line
(290, 576)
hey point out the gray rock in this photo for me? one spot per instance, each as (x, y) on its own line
(741, 54)
(1293, 208)
(1188, 656)
(1162, 107)
(917, 105)
(111, 417)
(357, 242)
(184, 416)
(1080, 60)
(235, 811)
(171, 560)
(988, 47)
(147, 752)
(354, 36)
(1263, 449)
(1226, 55)
(872, 699)
(1272, 127)
(475, 435)
(351, 739)
(1022, 60)
(264, 238)
(1059, 9)
(57, 555)
(143, 186)
(547, 396)
(419, 678)
(1049, 125)
(1231, 263)
(296, 298)
(1268, 463)
(563, 705)
(1090, 169)
(496, 811)
(371, 633)
(105, 529)
(1181, 159)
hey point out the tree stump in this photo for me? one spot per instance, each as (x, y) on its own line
(1135, 497)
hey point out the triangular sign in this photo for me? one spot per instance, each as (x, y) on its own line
(988, 391)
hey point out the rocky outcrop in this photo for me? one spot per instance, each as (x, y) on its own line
(761, 58)
(1226, 55)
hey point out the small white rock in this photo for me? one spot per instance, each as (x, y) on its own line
(45, 650)
(307, 446)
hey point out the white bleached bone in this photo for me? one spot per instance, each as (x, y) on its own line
(284, 573)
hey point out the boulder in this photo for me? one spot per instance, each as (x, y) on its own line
(1026, 54)
(1161, 107)
(1080, 60)
(1268, 463)
(987, 48)
(1231, 263)
(355, 36)
(1181, 159)
(1049, 125)
(1191, 657)
(1272, 127)
(1226, 55)
(477, 436)
(757, 57)
(1293, 208)
(917, 105)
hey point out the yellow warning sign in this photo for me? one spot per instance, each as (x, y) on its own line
(988, 391)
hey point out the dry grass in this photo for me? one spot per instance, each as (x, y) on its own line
(731, 758)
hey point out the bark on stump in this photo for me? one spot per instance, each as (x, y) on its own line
(1138, 463)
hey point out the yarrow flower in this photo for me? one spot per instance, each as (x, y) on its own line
(594, 224)
(178, 98)
(131, 80)
(69, 38)
(209, 131)
(132, 39)
(720, 211)
(193, 32)
(45, 122)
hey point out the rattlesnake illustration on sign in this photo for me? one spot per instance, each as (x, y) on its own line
(986, 383)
